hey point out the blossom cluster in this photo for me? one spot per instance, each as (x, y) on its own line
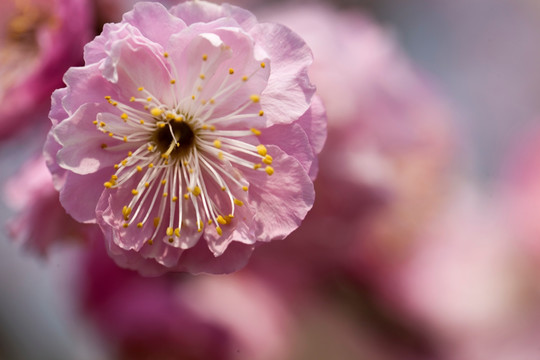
(293, 149)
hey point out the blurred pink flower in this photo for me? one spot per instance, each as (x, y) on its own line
(520, 188)
(40, 221)
(39, 40)
(470, 283)
(205, 142)
(387, 157)
(183, 317)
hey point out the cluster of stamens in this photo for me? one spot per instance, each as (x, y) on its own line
(176, 153)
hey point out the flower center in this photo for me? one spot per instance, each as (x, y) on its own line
(175, 139)
(186, 159)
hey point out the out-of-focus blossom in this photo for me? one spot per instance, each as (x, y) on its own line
(183, 317)
(189, 136)
(520, 188)
(40, 221)
(470, 283)
(39, 40)
(386, 159)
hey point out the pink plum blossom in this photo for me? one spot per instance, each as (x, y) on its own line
(190, 136)
(40, 221)
(39, 40)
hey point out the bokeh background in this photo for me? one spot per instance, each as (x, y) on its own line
(424, 242)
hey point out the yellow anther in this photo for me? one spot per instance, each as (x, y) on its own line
(151, 165)
(177, 232)
(125, 225)
(161, 125)
(255, 98)
(202, 76)
(140, 88)
(212, 128)
(132, 99)
(173, 81)
(95, 122)
(156, 221)
(212, 101)
(165, 54)
(261, 149)
(179, 118)
(196, 191)
(261, 113)
(146, 185)
(126, 211)
(149, 99)
(269, 170)
(263, 65)
(135, 192)
(238, 202)
(156, 111)
(175, 199)
(163, 182)
(199, 88)
(102, 124)
(192, 97)
(204, 127)
(116, 166)
(169, 116)
(130, 153)
(244, 78)
(114, 103)
(141, 121)
(245, 188)
(107, 97)
(111, 134)
(114, 177)
(150, 241)
(165, 194)
(124, 162)
(201, 226)
(217, 144)
(140, 225)
(108, 184)
(219, 231)
(205, 57)
(220, 155)
(139, 168)
(267, 160)
(186, 196)
(255, 131)
(209, 221)
(221, 220)
(125, 138)
(231, 71)
(256, 166)
(203, 102)
(164, 156)
(170, 231)
(124, 116)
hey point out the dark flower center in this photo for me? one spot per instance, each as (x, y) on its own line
(183, 139)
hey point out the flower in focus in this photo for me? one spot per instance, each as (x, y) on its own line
(188, 136)
(39, 40)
